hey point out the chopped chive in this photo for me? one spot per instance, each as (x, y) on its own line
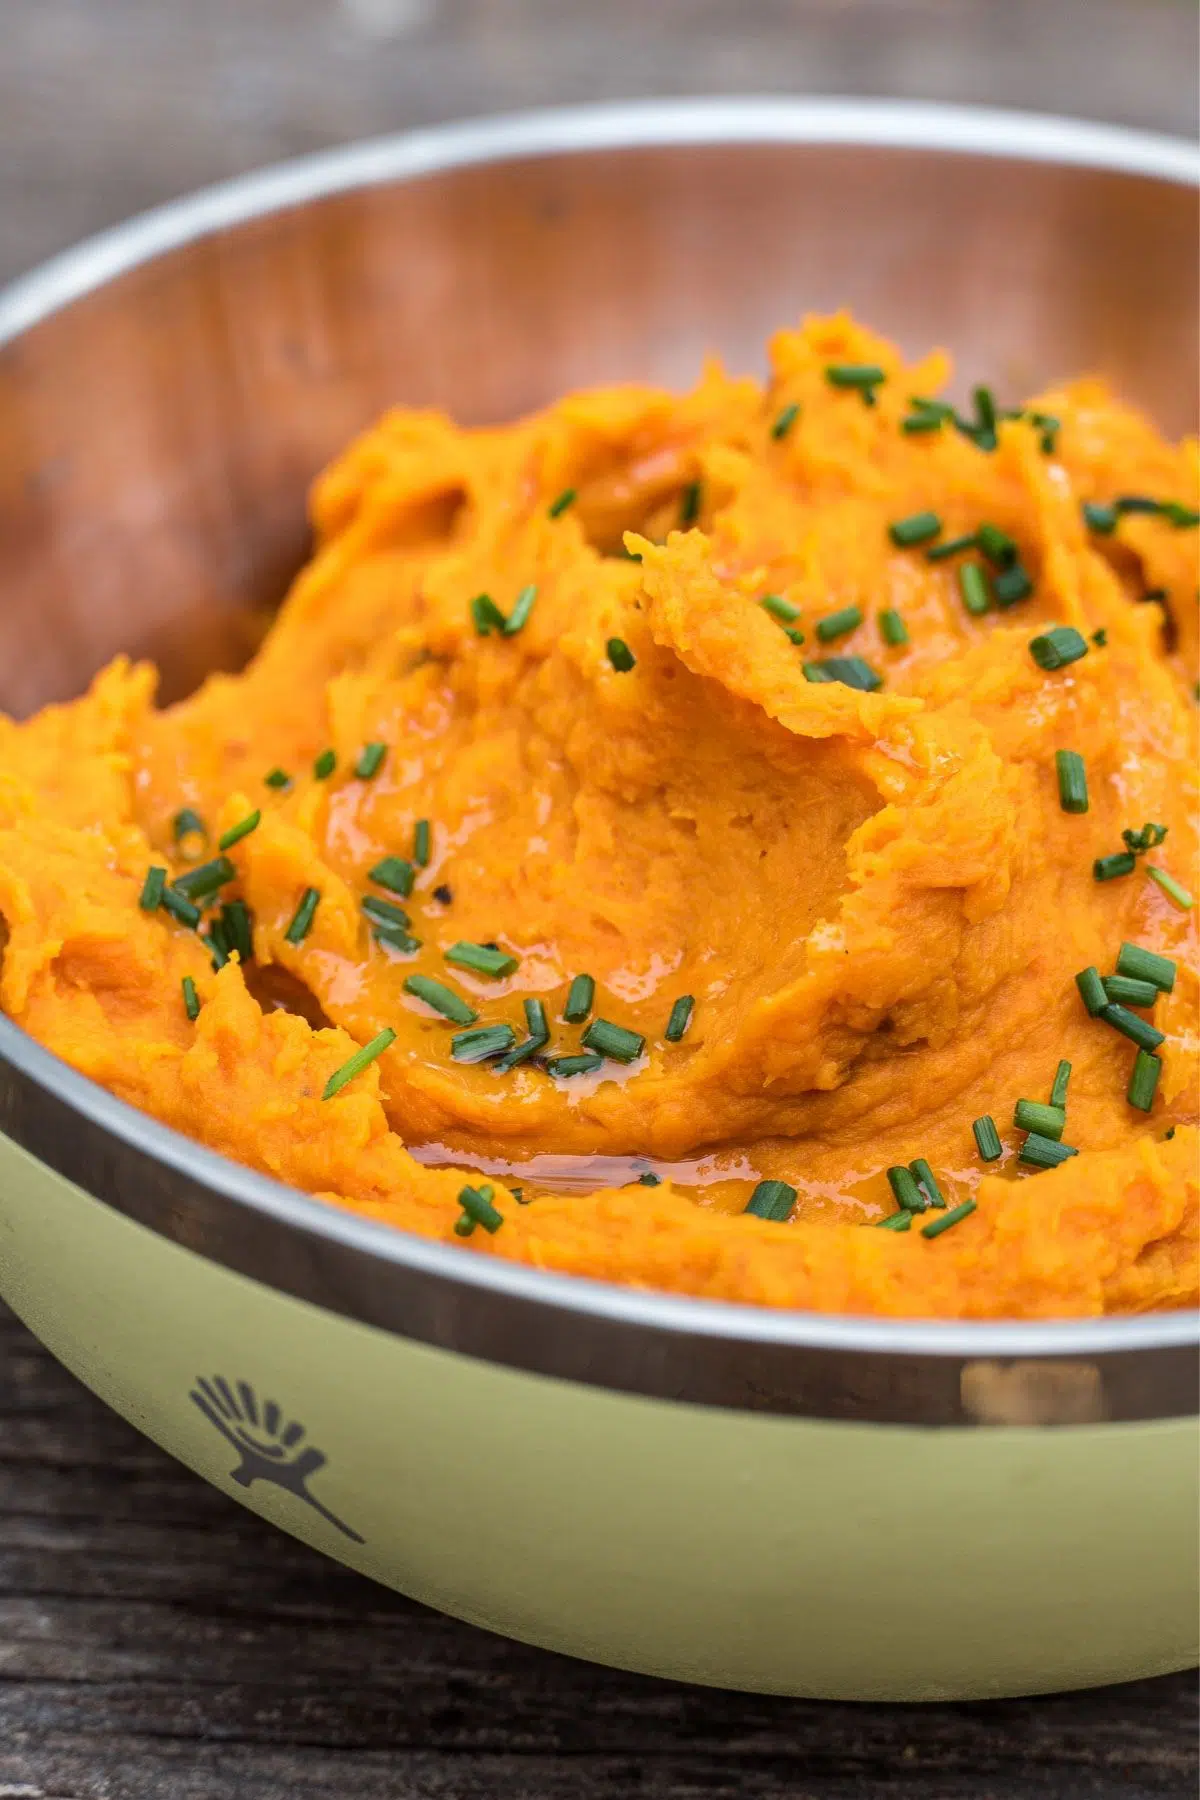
(815, 672)
(217, 944)
(793, 636)
(853, 671)
(935, 1227)
(892, 628)
(1139, 1031)
(1032, 1115)
(973, 586)
(1109, 868)
(179, 907)
(1148, 838)
(897, 1221)
(772, 1200)
(518, 1194)
(385, 913)
(1135, 503)
(837, 624)
(1045, 1152)
(370, 761)
(324, 765)
(1058, 1093)
(917, 528)
(395, 874)
(563, 1067)
(421, 843)
(441, 998)
(477, 1209)
(915, 422)
(785, 420)
(580, 996)
(482, 959)
(984, 429)
(1072, 781)
(997, 546)
(484, 1041)
(924, 1177)
(486, 615)
(239, 932)
(1179, 515)
(152, 888)
(680, 1019)
(362, 1059)
(560, 505)
(1146, 965)
(1173, 889)
(1091, 990)
(1128, 990)
(191, 999)
(518, 618)
(188, 823)
(395, 937)
(1049, 427)
(649, 1179)
(1056, 648)
(903, 1184)
(931, 409)
(854, 375)
(620, 655)
(205, 878)
(1099, 518)
(1100, 638)
(613, 1040)
(302, 919)
(1144, 1080)
(1012, 584)
(689, 504)
(780, 609)
(950, 547)
(278, 778)
(987, 1138)
(237, 832)
(535, 1019)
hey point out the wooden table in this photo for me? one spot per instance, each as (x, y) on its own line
(155, 1639)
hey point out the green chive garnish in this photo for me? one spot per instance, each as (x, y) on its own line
(1045, 1152)
(278, 778)
(1139, 1031)
(482, 959)
(780, 609)
(324, 765)
(917, 528)
(302, 919)
(189, 824)
(1146, 965)
(984, 429)
(931, 409)
(607, 1039)
(1032, 1115)
(395, 874)
(1128, 990)
(1173, 889)
(1058, 1093)
(522, 607)
(486, 615)
(385, 913)
(854, 375)
(1110, 868)
(563, 1067)
(772, 1200)
(152, 889)
(837, 624)
(892, 628)
(1144, 1080)
(897, 1221)
(680, 1019)
(191, 999)
(535, 1019)
(793, 636)
(1056, 648)
(853, 672)
(973, 586)
(620, 655)
(935, 1227)
(237, 832)
(1179, 515)
(951, 547)
(180, 908)
(370, 761)
(1091, 990)
(421, 843)
(560, 505)
(1148, 838)
(539, 1037)
(205, 878)
(580, 996)
(649, 1179)
(217, 943)
(484, 1041)
(1012, 584)
(903, 1184)
(785, 420)
(924, 1178)
(396, 937)
(689, 505)
(1099, 518)
(1072, 781)
(441, 998)
(997, 546)
(477, 1209)
(362, 1059)
(239, 933)
(987, 1138)
(921, 422)
(815, 672)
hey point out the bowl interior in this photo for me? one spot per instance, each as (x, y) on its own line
(158, 434)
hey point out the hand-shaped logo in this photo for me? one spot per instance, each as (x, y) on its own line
(267, 1445)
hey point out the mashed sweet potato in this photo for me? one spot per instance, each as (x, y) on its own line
(833, 820)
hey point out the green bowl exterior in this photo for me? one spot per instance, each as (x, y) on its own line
(759, 1552)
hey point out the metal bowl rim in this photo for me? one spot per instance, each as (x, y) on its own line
(99, 260)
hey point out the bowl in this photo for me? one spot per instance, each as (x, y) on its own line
(772, 1501)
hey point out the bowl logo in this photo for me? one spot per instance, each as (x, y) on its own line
(268, 1446)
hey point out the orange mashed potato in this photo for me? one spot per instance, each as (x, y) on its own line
(873, 894)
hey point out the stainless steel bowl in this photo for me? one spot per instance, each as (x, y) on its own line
(166, 394)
